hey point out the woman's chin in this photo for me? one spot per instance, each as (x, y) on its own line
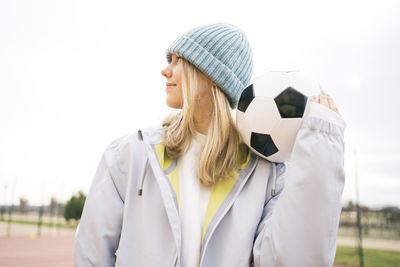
(173, 105)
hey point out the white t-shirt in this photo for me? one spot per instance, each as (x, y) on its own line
(193, 202)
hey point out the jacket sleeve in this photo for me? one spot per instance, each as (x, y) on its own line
(300, 224)
(97, 236)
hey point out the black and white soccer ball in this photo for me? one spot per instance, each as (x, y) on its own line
(270, 112)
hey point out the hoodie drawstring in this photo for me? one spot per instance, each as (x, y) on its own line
(140, 191)
(273, 179)
(143, 174)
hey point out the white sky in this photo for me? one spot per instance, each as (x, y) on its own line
(75, 75)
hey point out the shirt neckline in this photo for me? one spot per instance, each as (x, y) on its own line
(199, 138)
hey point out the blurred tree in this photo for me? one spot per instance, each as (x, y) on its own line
(23, 205)
(53, 206)
(2, 211)
(60, 209)
(349, 207)
(73, 208)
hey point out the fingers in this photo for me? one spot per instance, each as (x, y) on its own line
(314, 98)
(323, 100)
(326, 101)
(332, 105)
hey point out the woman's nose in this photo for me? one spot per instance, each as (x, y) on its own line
(166, 72)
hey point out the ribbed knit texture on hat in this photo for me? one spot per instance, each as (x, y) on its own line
(222, 52)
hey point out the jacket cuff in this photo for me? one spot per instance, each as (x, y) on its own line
(319, 111)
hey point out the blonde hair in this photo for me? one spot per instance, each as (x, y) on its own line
(219, 155)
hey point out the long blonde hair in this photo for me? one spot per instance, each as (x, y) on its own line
(219, 155)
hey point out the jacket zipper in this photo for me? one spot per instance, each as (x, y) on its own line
(226, 210)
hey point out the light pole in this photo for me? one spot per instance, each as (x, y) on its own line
(11, 208)
(359, 225)
(3, 207)
(41, 211)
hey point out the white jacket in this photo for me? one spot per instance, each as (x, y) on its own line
(131, 215)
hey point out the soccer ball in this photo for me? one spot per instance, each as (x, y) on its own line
(270, 112)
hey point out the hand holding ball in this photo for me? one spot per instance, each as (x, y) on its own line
(325, 100)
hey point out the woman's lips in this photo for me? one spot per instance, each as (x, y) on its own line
(170, 85)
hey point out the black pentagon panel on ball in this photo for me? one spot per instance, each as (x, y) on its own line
(263, 144)
(291, 103)
(245, 98)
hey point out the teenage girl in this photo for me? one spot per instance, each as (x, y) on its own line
(190, 193)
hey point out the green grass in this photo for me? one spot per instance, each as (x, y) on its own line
(372, 257)
(46, 224)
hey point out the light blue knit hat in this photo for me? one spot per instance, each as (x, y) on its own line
(222, 52)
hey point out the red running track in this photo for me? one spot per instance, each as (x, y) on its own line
(41, 251)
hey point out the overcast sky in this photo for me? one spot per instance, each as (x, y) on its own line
(75, 75)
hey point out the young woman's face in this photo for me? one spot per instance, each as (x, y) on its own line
(173, 74)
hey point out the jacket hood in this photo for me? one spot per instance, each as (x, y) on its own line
(153, 135)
